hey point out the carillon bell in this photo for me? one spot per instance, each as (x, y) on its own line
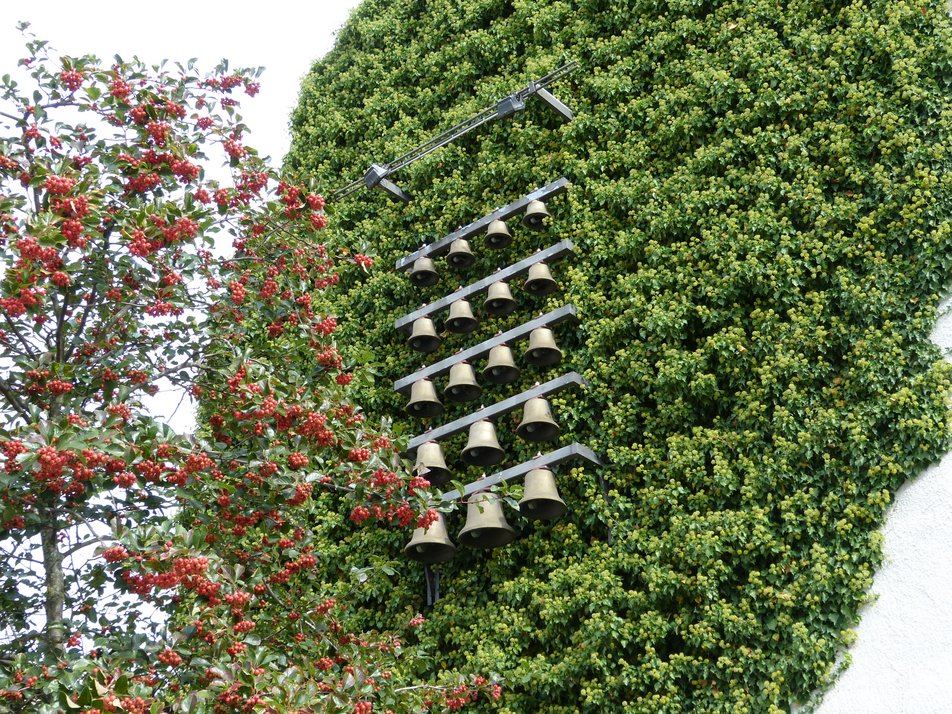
(432, 544)
(540, 280)
(429, 457)
(460, 255)
(498, 235)
(482, 448)
(486, 525)
(462, 386)
(423, 338)
(423, 400)
(501, 367)
(423, 273)
(499, 300)
(461, 318)
(537, 423)
(540, 499)
(536, 215)
(542, 350)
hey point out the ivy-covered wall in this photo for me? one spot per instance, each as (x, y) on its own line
(761, 200)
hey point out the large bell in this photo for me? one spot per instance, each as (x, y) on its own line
(431, 545)
(540, 499)
(424, 337)
(423, 400)
(461, 318)
(499, 300)
(501, 367)
(542, 350)
(486, 525)
(536, 215)
(460, 255)
(463, 386)
(498, 235)
(540, 280)
(482, 448)
(537, 423)
(423, 273)
(430, 463)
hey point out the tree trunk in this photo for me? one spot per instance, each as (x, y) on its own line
(55, 587)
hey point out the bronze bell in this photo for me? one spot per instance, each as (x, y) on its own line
(501, 367)
(540, 499)
(430, 463)
(537, 423)
(460, 255)
(536, 215)
(431, 545)
(423, 273)
(499, 300)
(423, 400)
(540, 280)
(482, 448)
(424, 337)
(463, 386)
(486, 525)
(498, 235)
(461, 318)
(542, 350)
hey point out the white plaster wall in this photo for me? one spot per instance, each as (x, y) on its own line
(902, 658)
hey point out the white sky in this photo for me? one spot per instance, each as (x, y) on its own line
(283, 37)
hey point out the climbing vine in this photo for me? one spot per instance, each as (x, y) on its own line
(761, 200)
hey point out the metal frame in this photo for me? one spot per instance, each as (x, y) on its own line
(570, 379)
(554, 252)
(442, 245)
(376, 175)
(437, 369)
(553, 458)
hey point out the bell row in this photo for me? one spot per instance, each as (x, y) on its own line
(424, 337)
(423, 273)
(482, 447)
(486, 525)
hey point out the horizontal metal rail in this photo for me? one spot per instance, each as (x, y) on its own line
(553, 458)
(571, 379)
(443, 244)
(551, 253)
(554, 317)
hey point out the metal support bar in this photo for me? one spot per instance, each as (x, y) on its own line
(504, 107)
(554, 252)
(517, 333)
(443, 244)
(572, 379)
(546, 96)
(552, 458)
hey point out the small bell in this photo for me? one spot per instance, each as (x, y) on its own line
(461, 318)
(500, 367)
(423, 400)
(432, 544)
(430, 463)
(482, 448)
(540, 499)
(499, 300)
(460, 255)
(540, 280)
(542, 350)
(498, 235)
(486, 525)
(537, 423)
(423, 273)
(424, 337)
(536, 215)
(462, 386)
